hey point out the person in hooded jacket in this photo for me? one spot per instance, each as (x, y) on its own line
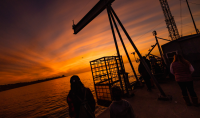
(119, 107)
(182, 70)
(80, 100)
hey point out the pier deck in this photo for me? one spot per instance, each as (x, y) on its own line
(146, 105)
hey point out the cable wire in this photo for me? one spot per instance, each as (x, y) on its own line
(181, 17)
(148, 31)
(191, 2)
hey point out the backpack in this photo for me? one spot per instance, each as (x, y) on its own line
(85, 110)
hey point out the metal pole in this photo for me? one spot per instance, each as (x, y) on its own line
(154, 33)
(192, 18)
(124, 46)
(94, 81)
(118, 54)
(163, 39)
(136, 50)
(151, 49)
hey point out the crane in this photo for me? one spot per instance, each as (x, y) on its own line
(95, 11)
(169, 19)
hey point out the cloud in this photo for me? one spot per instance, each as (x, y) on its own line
(37, 40)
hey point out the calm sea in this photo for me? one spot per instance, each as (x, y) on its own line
(47, 99)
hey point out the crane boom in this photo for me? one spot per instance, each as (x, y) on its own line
(95, 11)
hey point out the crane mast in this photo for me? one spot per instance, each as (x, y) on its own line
(169, 19)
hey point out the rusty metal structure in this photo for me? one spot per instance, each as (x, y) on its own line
(169, 19)
(114, 22)
(107, 72)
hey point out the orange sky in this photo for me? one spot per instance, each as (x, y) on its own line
(37, 39)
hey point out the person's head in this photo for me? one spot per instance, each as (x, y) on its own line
(116, 93)
(76, 83)
(179, 58)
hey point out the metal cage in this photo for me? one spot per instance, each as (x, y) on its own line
(106, 72)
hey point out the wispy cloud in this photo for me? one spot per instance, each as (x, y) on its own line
(37, 40)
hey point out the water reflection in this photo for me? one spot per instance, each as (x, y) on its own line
(43, 99)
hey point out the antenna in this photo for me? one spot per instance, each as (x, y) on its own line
(192, 18)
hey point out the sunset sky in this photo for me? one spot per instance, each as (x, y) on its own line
(37, 40)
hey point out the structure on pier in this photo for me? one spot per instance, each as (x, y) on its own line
(107, 72)
(169, 19)
(113, 19)
(188, 47)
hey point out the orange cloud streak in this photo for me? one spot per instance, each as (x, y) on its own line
(38, 41)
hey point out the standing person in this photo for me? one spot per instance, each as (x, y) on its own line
(182, 70)
(145, 75)
(80, 100)
(120, 108)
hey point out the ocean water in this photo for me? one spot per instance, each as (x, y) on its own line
(46, 99)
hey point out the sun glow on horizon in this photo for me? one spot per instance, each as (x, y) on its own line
(37, 40)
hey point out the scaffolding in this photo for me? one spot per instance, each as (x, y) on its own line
(107, 72)
(169, 19)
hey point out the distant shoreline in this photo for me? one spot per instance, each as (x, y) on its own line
(21, 84)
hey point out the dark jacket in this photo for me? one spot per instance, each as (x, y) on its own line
(181, 72)
(74, 102)
(142, 70)
(121, 109)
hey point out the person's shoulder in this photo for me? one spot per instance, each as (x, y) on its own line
(177, 64)
(126, 103)
(70, 93)
(111, 105)
(173, 63)
(87, 89)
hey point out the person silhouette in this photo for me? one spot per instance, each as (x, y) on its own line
(182, 70)
(80, 100)
(143, 72)
(120, 108)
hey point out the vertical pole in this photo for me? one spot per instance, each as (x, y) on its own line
(136, 50)
(94, 79)
(123, 46)
(151, 50)
(107, 70)
(118, 54)
(192, 18)
(155, 34)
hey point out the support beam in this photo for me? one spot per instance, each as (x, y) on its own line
(197, 31)
(151, 49)
(163, 39)
(155, 34)
(95, 11)
(140, 56)
(118, 53)
(124, 46)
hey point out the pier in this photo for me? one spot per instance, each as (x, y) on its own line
(146, 105)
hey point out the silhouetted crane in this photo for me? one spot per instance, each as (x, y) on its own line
(169, 19)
